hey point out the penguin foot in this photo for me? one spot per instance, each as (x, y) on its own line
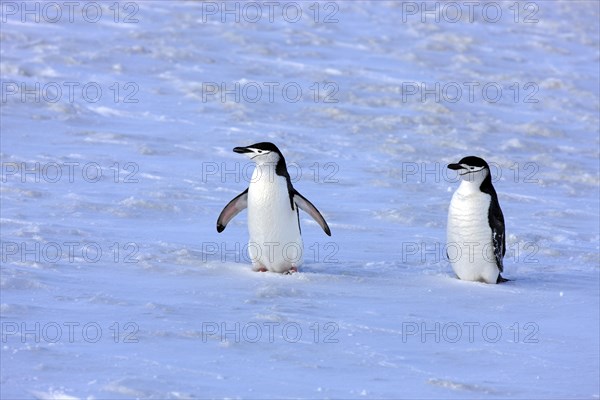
(291, 271)
(259, 267)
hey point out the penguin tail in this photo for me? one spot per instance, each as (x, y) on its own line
(501, 279)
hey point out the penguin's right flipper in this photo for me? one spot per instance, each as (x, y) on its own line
(501, 279)
(233, 208)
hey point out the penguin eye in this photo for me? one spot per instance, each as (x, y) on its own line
(260, 151)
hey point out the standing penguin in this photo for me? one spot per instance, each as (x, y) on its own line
(273, 218)
(476, 224)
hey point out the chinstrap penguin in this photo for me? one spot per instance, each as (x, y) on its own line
(476, 225)
(275, 242)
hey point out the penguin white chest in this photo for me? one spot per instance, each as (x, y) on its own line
(469, 236)
(275, 241)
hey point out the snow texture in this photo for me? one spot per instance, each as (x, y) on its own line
(116, 284)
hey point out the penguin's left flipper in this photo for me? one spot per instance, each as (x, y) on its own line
(496, 221)
(233, 208)
(309, 208)
(501, 279)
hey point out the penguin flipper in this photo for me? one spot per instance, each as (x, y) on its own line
(311, 210)
(233, 208)
(496, 220)
(499, 249)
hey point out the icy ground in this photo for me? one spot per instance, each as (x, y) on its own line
(115, 283)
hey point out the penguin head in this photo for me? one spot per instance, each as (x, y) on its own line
(261, 153)
(472, 169)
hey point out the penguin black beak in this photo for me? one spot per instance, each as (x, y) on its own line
(455, 166)
(242, 150)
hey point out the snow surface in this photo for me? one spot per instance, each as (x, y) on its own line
(171, 309)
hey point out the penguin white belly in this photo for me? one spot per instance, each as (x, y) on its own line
(470, 248)
(275, 241)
